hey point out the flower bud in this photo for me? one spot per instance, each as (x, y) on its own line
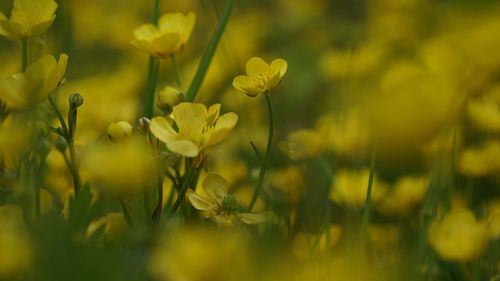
(61, 144)
(143, 125)
(169, 97)
(119, 130)
(75, 100)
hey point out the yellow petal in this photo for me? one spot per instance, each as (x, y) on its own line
(9, 29)
(213, 114)
(178, 23)
(34, 16)
(200, 203)
(166, 45)
(184, 147)
(37, 76)
(162, 129)
(250, 218)
(280, 66)
(256, 65)
(223, 127)
(215, 186)
(224, 220)
(190, 119)
(12, 91)
(242, 83)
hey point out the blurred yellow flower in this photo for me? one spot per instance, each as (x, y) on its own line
(123, 167)
(198, 128)
(223, 207)
(459, 236)
(201, 255)
(261, 77)
(114, 225)
(405, 195)
(480, 161)
(168, 97)
(306, 245)
(119, 130)
(29, 18)
(484, 113)
(166, 39)
(42, 78)
(350, 187)
(302, 144)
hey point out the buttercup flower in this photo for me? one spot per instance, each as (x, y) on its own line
(224, 208)
(261, 77)
(43, 77)
(166, 39)
(198, 128)
(459, 236)
(29, 18)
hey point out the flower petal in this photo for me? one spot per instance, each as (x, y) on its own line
(215, 186)
(184, 147)
(242, 83)
(250, 218)
(213, 114)
(280, 66)
(256, 65)
(199, 202)
(190, 119)
(223, 127)
(162, 129)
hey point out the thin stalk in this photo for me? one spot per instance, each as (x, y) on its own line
(71, 144)
(209, 53)
(149, 101)
(147, 205)
(368, 199)
(25, 53)
(185, 186)
(175, 66)
(159, 204)
(265, 161)
(153, 68)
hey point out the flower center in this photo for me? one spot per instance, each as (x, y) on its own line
(229, 206)
(261, 79)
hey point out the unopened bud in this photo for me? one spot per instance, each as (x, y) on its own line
(61, 144)
(143, 125)
(119, 130)
(75, 100)
(168, 97)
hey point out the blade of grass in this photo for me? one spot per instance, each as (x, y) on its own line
(209, 53)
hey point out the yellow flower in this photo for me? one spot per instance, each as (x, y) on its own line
(350, 187)
(224, 208)
(303, 144)
(166, 39)
(123, 167)
(119, 130)
(168, 97)
(43, 77)
(29, 18)
(458, 236)
(261, 77)
(405, 195)
(480, 161)
(198, 128)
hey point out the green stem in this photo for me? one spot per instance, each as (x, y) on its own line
(185, 186)
(153, 68)
(265, 161)
(71, 144)
(177, 71)
(368, 199)
(25, 53)
(209, 53)
(149, 101)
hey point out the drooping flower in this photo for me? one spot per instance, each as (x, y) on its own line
(224, 208)
(29, 18)
(168, 38)
(198, 128)
(260, 77)
(43, 77)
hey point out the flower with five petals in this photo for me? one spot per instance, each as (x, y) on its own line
(29, 18)
(224, 208)
(261, 77)
(197, 128)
